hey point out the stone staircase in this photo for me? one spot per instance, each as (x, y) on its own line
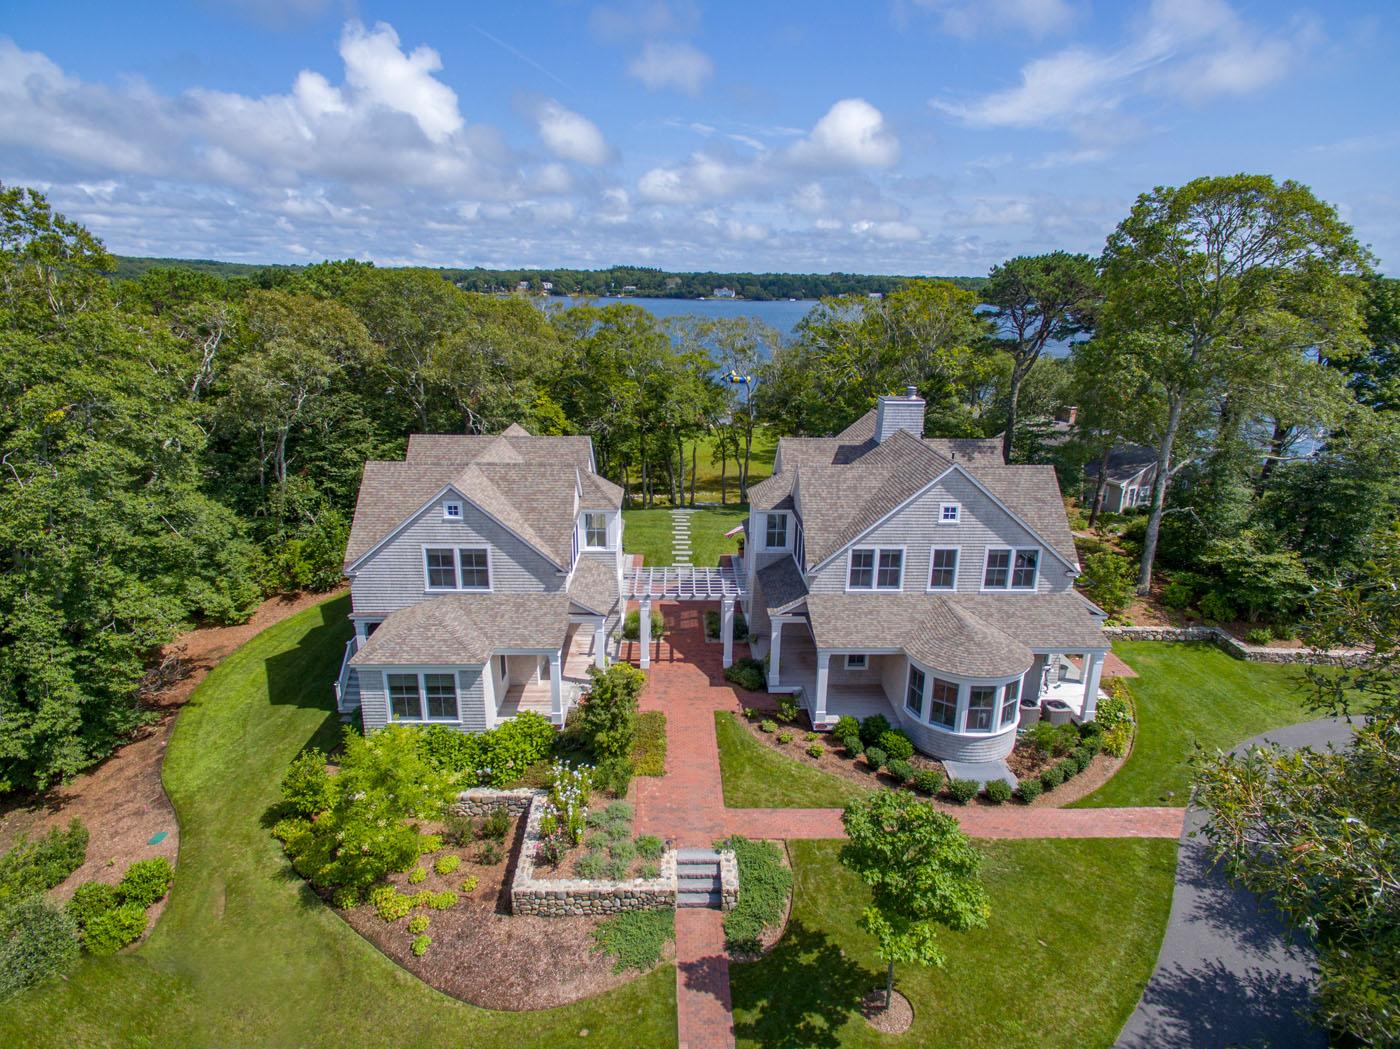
(697, 871)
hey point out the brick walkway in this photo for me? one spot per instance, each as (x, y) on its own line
(686, 807)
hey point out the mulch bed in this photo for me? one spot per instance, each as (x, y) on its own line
(483, 954)
(897, 1019)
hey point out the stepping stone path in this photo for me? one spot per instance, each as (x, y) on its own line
(698, 871)
(680, 537)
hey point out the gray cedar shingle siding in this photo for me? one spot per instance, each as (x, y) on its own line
(471, 699)
(374, 700)
(948, 746)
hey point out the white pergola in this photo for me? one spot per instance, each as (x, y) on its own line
(683, 583)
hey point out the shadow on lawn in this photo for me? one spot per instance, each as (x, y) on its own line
(801, 994)
(302, 676)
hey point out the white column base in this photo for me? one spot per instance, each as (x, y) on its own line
(726, 629)
(644, 633)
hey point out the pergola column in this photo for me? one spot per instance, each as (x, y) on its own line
(775, 648)
(644, 632)
(726, 629)
(819, 701)
(600, 642)
(1093, 668)
(556, 687)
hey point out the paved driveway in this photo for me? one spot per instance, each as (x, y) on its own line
(1229, 973)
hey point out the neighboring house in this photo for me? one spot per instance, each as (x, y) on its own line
(1132, 469)
(919, 578)
(485, 575)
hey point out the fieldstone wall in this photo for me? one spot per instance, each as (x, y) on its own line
(1237, 648)
(571, 897)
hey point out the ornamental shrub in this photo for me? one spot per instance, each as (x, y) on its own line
(649, 870)
(928, 781)
(811, 737)
(1118, 739)
(1082, 757)
(635, 939)
(1181, 590)
(900, 770)
(649, 751)
(289, 829)
(1029, 789)
(1260, 635)
(1052, 740)
(963, 790)
(1069, 767)
(306, 788)
(90, 899)
(448, 750)
(846, 726)
(613, 776)
(146, 881)
(650, 847)
(875, 758)
(420, 945)
(110, 931)
(345, 898)
(30, 867)
(389, 903)
(608, 717)
(419, 923)
(632, 624)
(496, 823)
(768, 725)
(512, 747)
(872, 728)
(998, 792)
(815, 750)
(442, 901)
(1217, 607)
(418, 876)
(787, 709)
(469, 886)
(593, 866)
(748, 674)
(447, 864)
(37, 941)
(851, 744)
(1052, 777)
(764, 884)
(1109, 580)
(897, 745)
(785, 737)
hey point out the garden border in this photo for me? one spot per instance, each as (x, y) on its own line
(1230, 644)
(573, 897)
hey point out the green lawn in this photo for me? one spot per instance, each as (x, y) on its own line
(1072, 939)
(648, 532)
(245, 954)
(758, 777)
(707, 486)
(1188, 694)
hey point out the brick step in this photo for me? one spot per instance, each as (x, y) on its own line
(699, 899)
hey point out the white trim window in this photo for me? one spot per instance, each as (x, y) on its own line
(943, 568)
(595, 530)
(857, 661)
(875, 568)
(949, 513)
(457, 568)
(775, 532)
(981, 708)
(452, 510)
(914, 692)
(422, 695)
(1011, 569)
(1010, 699)
(943, 707)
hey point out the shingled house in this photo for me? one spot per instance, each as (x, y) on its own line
(485, 575)
(919, 578)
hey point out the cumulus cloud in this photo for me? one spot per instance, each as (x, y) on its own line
(675, 65)
(571, 136)
(853, 133)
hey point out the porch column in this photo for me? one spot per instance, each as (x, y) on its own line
(775, 647)
(1093, 667)
(819, 700)
(644, 632)
(600, 643)
(726, 629)
(556, 688)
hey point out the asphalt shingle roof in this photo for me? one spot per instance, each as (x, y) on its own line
(594, 586)
(466, 629)
(782, 586)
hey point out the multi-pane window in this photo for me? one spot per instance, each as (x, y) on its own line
(775, 531)
(440, 695)
(981, 707)
(442, 569)
(862, 572)
(943, 710)
(949, 513)
(943, 571)
(1010, 697)
(856, 661)
(403, 697)
(998, 569)
(890, 573)
(476, 572)
(914, 695)
(1023, 573)
(452, 511)
(595, 531)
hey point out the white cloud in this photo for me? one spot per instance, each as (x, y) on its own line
(571, 136)
(672, 64)
(383, 75)
(968, 18)
(642, 18)
(853, 133)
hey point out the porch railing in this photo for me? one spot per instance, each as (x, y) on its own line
(342, 681)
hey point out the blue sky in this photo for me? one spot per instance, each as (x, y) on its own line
(920, 136)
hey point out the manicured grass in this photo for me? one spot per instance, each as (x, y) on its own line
(245, 954)
(757, 777)
(707, 528)
(707, 486)
(1072, 939)
(1194, 693)
(648, 532)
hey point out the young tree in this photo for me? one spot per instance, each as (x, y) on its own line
(922, 872)
(1216, 278)
(1036, 299)
(1315, 832)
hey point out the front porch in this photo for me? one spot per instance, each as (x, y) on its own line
(530, 680)
(846, 692)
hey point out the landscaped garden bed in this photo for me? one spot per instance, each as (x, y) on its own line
(765, 897)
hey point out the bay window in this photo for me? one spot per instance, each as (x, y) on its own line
(1011, 696)
(914, 694)
(981, 706)
(944, 708)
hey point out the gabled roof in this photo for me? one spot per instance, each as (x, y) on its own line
(459, 629)
(1125, 462)
(528, 484)
(781, 586)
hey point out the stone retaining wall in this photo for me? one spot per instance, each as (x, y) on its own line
(572, 897)
(1235, 647)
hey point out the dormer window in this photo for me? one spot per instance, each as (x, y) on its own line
(452, 511)
(595, 531)
(949, 513)
(775, 532)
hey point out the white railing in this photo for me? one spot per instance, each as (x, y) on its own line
(342, 682)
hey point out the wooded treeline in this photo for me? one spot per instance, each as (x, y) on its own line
(174, 447)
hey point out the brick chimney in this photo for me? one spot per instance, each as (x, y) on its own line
(900, 412)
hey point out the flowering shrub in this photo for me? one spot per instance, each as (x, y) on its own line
(1115, 714)
(565, 813)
